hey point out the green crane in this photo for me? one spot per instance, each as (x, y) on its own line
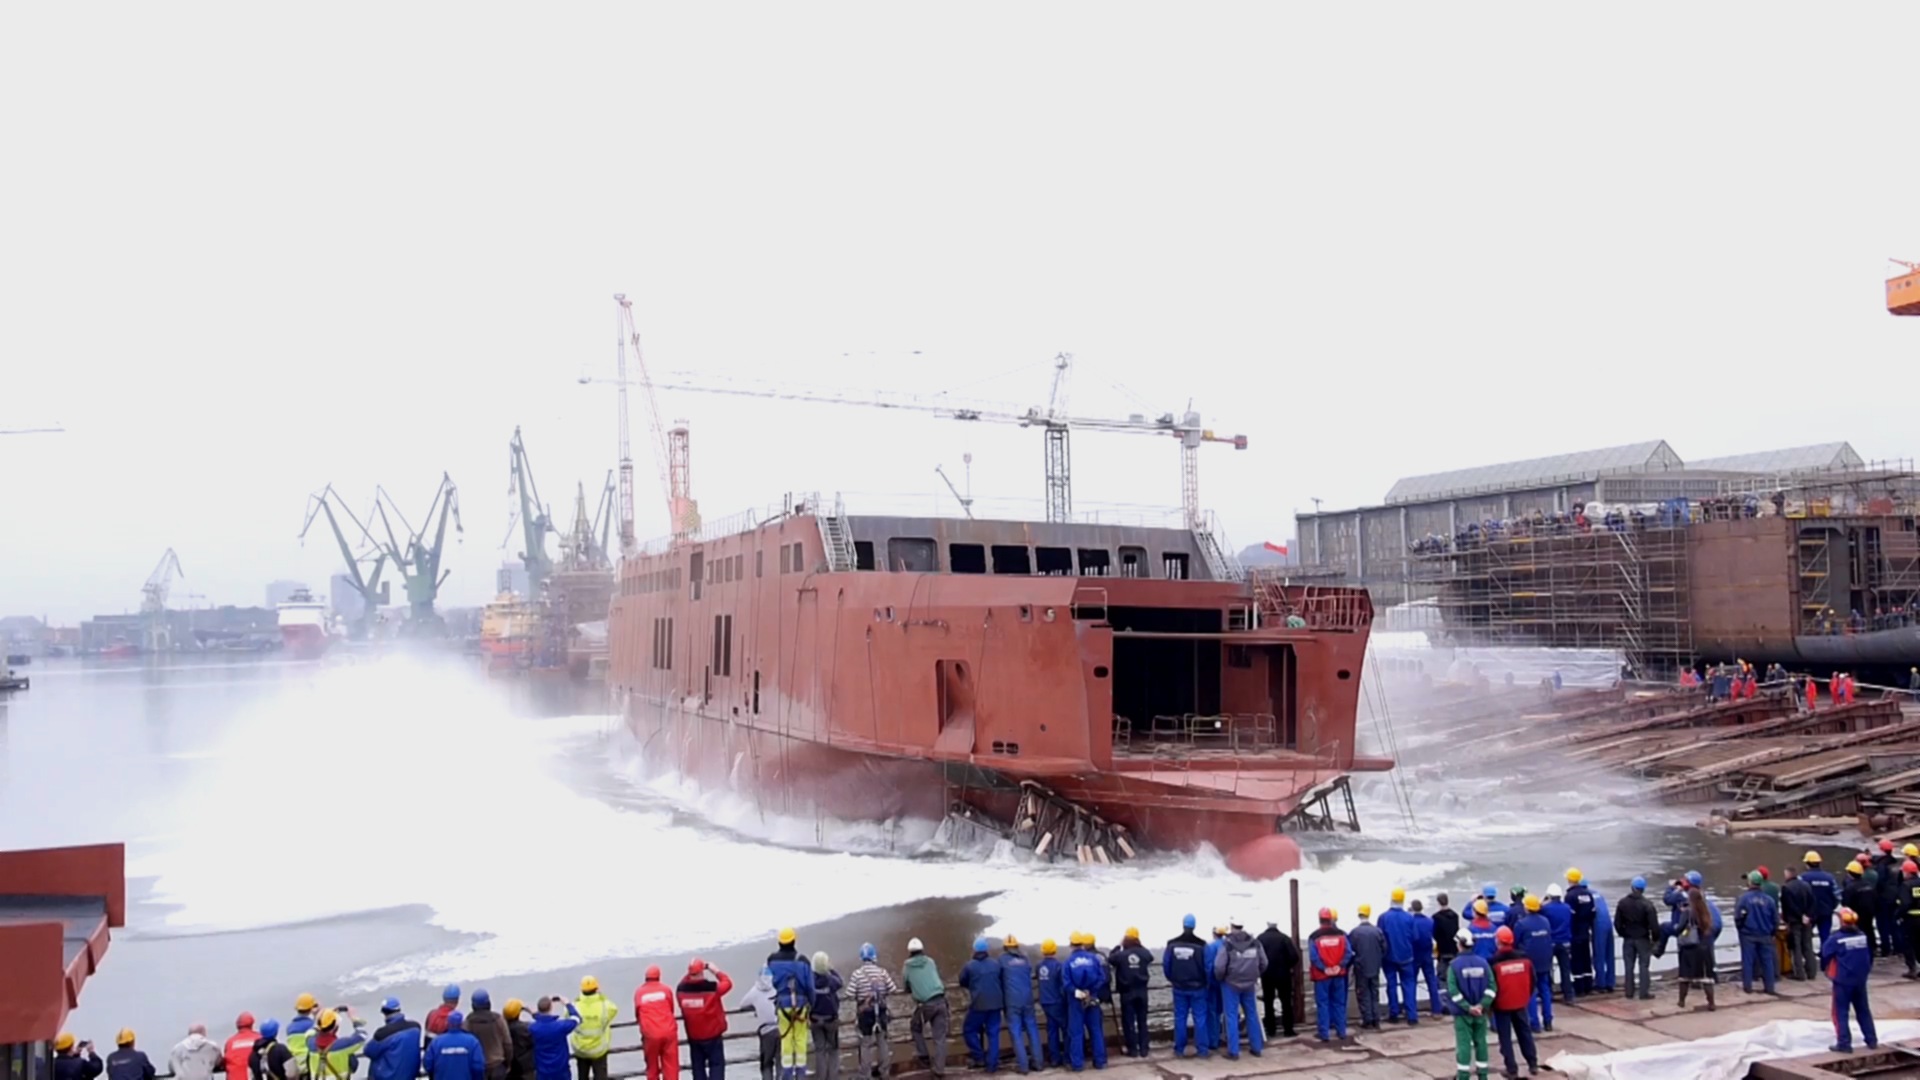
(418, 560)
(373, 592)
(535, 519)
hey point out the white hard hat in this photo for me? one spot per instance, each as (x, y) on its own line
(913, 945)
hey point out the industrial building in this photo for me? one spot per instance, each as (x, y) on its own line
(1802, 554)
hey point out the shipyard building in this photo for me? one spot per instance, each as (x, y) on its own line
(1802, 555)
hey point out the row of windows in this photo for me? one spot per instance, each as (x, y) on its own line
(723, 646)
(917, 554)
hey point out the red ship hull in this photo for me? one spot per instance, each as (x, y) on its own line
(304, 642)
(1193, 713)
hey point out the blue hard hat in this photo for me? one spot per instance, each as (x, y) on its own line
(1694, 878)
(454, 1020)
(1188, 923)
(1639, 884)
(868, 952)
(390, 1005)
(482, 999)
(451, 993)
(979, 944)
(1489, 891)
(270, 1029)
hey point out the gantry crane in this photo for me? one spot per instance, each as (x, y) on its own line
(374, 593)
(153, 601)
(671, 450)
(532, 515)
(1052, 420)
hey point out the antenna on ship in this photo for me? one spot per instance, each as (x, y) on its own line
(966, 501)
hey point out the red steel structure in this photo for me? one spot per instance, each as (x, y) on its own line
(56, 908)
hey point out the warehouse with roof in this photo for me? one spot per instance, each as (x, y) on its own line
(1372, 545)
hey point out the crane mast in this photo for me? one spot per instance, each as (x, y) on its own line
(671, 448)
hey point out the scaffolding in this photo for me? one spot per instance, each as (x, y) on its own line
(1623, 589)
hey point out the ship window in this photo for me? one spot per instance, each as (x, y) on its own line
(1012, 559)
(913, 554)
(756, 693)
(723, 646)
(739, 567)
(863, 554)
(966, 558)
(1053, 561)
(1094, 562)
(786, 558)
(799, 557)
(759, 568)
(696, 571)
(1175, 563)
(1133, 562)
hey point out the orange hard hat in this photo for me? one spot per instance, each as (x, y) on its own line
(1504, 935)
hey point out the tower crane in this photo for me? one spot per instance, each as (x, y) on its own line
(1053, 420)
(533, 516)
(671, 450)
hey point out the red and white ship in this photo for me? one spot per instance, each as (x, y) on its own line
(303, 626)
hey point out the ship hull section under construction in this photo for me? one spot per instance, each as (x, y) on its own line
(1188, 712)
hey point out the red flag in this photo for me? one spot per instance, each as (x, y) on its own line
(1278, 549)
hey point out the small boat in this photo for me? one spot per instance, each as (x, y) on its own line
(303, 626)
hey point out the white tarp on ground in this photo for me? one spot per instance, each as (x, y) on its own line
(1722, 1057)
(1578, 668)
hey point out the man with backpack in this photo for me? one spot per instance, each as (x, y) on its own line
(793, 999)
(824, 1018)
(1239, 965)
(870, 985)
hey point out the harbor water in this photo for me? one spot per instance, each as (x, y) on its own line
(371, 824)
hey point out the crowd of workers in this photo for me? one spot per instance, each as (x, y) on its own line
(1495, 967)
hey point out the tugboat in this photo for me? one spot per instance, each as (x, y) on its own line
(303, 626)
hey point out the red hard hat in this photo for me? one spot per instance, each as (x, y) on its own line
(1910, 867)
(243, 1021)
(1886, 845)
(1326, 914)
(653, 973)
(697, 966)
(1504, 935)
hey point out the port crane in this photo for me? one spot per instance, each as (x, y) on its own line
(153, 601)
(584, 547)
(1053, 420)
(374, 593)
(418, 560)
(532, 515)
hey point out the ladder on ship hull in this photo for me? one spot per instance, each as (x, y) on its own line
(1316, 810)
(1055, 828)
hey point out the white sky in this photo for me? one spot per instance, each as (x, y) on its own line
(251, 249)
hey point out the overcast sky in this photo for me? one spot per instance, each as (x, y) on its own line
(251, 249)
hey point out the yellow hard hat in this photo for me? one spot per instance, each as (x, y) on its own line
(1574, 876)
(589, 985)
(786, 936)
(327, 1020)
(64, 1042)
(1479, 907)
(1331, 914)
(1532, 903)
(1132, 932)
(1399, 895)
(513, 1007)
(1365, 910)
(1811, 858)
(1048, 948)
(1848, 916)
(125, 1038)
(1853, 867)
(1219, 931)
(1910, 851)
(1010, 941)
(304, 1003)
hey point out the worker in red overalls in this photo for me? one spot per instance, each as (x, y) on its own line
(1813, 694)
(659, 1028)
